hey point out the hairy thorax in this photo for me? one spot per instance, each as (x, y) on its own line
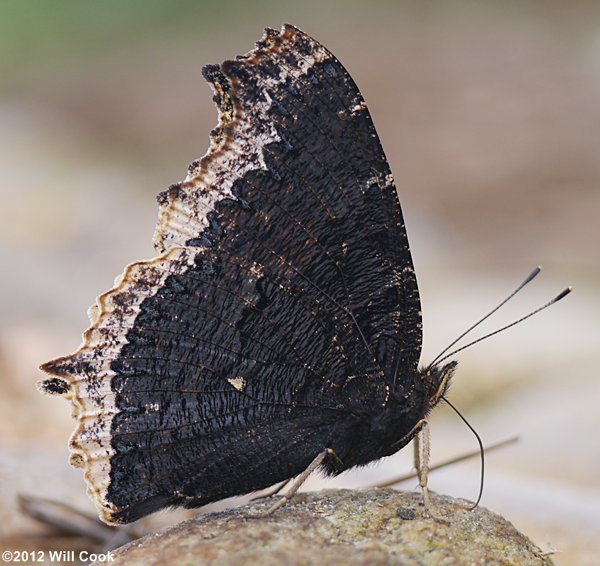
(363, 436)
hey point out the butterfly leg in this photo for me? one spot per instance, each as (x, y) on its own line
(298, 482)
(421, 459)
(272, 492)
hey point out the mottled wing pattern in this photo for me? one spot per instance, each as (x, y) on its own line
(284, 272)
(296, 145)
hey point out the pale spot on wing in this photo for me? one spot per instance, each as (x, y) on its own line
(238, 382)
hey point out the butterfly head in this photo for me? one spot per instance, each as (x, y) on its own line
(437, 380)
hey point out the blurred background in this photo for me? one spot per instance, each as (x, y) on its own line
(489, 113)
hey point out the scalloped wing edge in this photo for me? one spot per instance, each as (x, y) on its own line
(84, 377)
(235, 147)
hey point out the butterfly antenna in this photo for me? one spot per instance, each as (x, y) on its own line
(481, 452)
(558, 297)
(527, 280)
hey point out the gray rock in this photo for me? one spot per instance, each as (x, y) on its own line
(375, 526)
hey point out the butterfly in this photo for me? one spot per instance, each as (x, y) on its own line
(278, 330)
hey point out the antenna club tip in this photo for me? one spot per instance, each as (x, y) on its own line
(563, 294)
(531, 276)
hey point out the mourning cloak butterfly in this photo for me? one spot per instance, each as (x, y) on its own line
(280, 325)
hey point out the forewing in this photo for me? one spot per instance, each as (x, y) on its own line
(296, 181)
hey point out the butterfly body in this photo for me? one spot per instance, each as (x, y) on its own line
(281, 316)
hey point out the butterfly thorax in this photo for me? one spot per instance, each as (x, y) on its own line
(388, 427)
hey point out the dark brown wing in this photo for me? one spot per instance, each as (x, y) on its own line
(296, 143)
(219, 367)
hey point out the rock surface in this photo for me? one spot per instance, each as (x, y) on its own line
(376, 526)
